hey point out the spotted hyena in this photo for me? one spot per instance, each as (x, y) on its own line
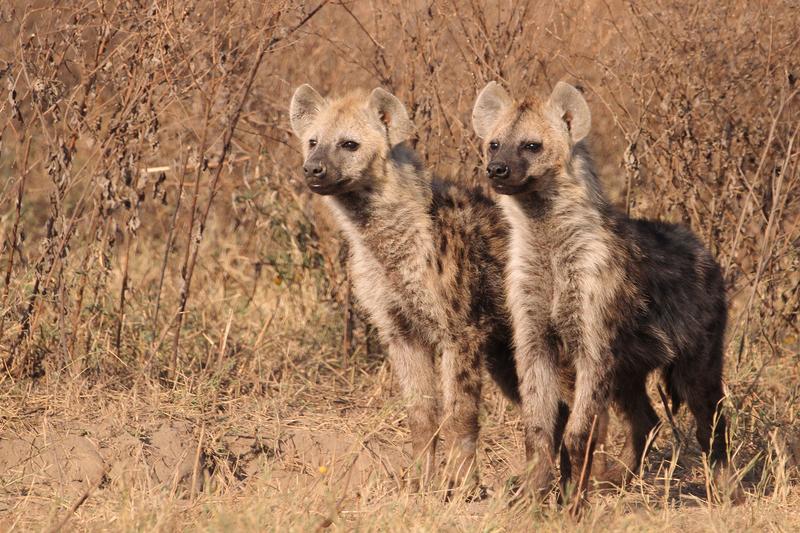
(614, 296)
(426, 260)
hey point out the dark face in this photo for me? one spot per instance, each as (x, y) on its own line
(525, 153)
(509, 165)
(323, 166)
(342, 147)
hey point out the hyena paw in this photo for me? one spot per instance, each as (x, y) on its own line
(611, 477)
(727, 486)
(519, 488)
(540, 482)
(464, 484)
(420, 479)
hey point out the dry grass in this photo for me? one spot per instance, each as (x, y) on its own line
(175, 345)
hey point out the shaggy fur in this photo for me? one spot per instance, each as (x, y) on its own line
(426, 260)
(614, 297)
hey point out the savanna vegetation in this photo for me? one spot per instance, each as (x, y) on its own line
(179, 348)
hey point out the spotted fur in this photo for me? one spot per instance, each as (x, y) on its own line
(426, 260)
(614, 297)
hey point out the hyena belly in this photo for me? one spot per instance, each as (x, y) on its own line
(680, 309)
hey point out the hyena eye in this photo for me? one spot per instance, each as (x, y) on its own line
(532, 146)
(493, 145)
(312, 143)
(350, 145)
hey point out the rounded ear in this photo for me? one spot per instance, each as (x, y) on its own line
(306, 105)
(490, 104)
(570, 105)
(392, 113)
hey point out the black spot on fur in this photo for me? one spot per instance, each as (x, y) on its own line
(400, 320)
(552, 338)
(472, 388)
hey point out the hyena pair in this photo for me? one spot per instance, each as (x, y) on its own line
(597, 301)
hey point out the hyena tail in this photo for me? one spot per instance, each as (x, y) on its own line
(672, 389)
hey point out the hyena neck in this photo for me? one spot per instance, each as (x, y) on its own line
(580, 207)
(583, 184)
(390, 221)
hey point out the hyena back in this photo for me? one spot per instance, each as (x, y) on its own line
(616, 297)
(426, 260)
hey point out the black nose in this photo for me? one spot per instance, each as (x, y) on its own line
(314, 169)
(497, 170)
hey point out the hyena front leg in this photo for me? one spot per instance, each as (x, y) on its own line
(414, 367)
(543, 413)
(461, 388)
(590, 406)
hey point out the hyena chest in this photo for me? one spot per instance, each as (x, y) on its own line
(586, 286)
(565, 298)
(398, 305)
(546, 285)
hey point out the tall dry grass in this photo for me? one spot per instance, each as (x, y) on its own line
(155, 235)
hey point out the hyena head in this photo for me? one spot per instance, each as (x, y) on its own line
(347, 141)
(528, 144)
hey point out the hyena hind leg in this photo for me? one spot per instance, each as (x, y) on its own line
(703, 392)
(639, 420)
(414, 367)
(711, 434)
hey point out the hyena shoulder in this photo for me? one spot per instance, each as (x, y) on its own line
(471, 214)
(671, 254)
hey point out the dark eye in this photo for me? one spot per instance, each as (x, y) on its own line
(493, 145)
(532, 146)
(312, 143)
(350, 145)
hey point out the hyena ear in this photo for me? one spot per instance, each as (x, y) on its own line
(570, 105)
(392, 113)
(306, 105)
(491, 102)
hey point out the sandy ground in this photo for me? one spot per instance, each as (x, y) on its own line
(159, 460)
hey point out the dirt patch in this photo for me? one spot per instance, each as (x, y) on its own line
(180, 458)
(176, 457)
(67, 461)
(349, 461)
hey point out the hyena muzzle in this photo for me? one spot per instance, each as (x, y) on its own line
(426, 261)
(613, 296)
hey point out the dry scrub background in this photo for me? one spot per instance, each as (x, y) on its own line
(177, 347)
